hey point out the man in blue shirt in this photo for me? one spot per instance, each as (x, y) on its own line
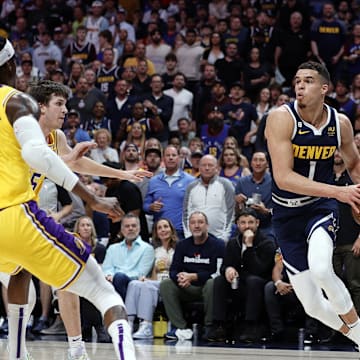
(130, 259)
(166, 191)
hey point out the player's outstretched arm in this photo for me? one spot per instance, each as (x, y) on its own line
(85, 165)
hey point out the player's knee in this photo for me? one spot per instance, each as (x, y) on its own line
(321, 271)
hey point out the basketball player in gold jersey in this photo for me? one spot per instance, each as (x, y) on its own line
(52, 98)
(30, 239)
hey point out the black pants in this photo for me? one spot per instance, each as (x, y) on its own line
(248, 298)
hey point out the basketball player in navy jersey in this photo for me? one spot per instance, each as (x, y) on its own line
(302, 138)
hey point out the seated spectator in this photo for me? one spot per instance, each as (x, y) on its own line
(230, 165)
(129, 260)
(247, 266)
(76, 72)
(90, 316)
(196, 261)
(230, 142)
(104, 152)
(73, 132)
(280, 299)
(143, 294)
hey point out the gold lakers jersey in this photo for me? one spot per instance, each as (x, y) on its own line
(37, 179)
(15, 186)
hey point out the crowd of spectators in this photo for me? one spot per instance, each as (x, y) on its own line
(183, 88)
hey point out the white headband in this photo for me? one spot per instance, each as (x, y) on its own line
(6, 53)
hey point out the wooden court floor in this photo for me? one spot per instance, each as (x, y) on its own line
(57, 350)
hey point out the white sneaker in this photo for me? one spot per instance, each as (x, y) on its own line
(184, 334)
(145, 331)
(28, 356)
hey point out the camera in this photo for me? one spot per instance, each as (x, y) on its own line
(249, 202)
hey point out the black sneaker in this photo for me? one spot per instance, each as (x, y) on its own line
(4, 328)
(102, 336)
(40, 326)
(250, 334)
(216, 333)
(310, 339)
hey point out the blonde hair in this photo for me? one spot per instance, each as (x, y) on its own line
(93, 238)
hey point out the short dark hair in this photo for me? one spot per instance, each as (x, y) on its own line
(42, 90)
(247, 211)
(170, 56)
(320, 68)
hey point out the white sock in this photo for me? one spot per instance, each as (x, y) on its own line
(17, 316)
(76, 345)
(354, 332)
(131, 319)
(120, 333)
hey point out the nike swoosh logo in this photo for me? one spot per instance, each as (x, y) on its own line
(303, 132)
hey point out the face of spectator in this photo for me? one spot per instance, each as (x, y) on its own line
(156, 84)
(152, 161)
(140, 50)
(179, 82)
(215, 39)
(229, 143)
(208, 168)
(190, 38)
(90, 76)
(171, 23)
(156, 37)
(45, 39)
(175, 142)
(265, 95)
(72, 122)
(96, 10)
(170, 65)
(21, 84)
(85, 229)
(282, 99)
(295, 20)
(231, 50)
(163, 231)
(82, 86)
(236, 93)
(99, 110)
(131, 154)
(198, 226)
(259, 163)
(222, 27)
(121, 88)
(76, 70)
(136, 130)
(235, 24)
(184, 127)
(247, 222)
(209, 72)
(341, 89)
(138, 111)
(128, 74)
(254, 54)
(328, 11)
(102, 140)
(357, 140)
(130, 228)
(142, 68)
(218, 90)
(229, 157)
(108, 57)
(195, 145)
(26, 68)
(171, 159)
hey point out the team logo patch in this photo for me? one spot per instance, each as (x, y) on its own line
(331, 131)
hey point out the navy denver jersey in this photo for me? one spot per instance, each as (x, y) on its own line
(313, 154)
(106, 79)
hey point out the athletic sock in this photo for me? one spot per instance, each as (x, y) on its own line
(120, 333)
(17, 317)
(76, 345)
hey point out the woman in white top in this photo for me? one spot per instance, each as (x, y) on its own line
(142, 295)
(104, 152)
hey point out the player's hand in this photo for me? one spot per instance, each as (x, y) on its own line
(350, 195)
(109, 206)
(356, 247)
(79, 151)
(136, 175)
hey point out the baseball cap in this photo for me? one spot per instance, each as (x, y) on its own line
(131, 145)
(121, 10)
(73, 112)
(58, 29)
(236, 84)
(197, 153)
(152, 150)
(96, 3)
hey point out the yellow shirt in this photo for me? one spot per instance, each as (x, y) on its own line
(15, 186)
